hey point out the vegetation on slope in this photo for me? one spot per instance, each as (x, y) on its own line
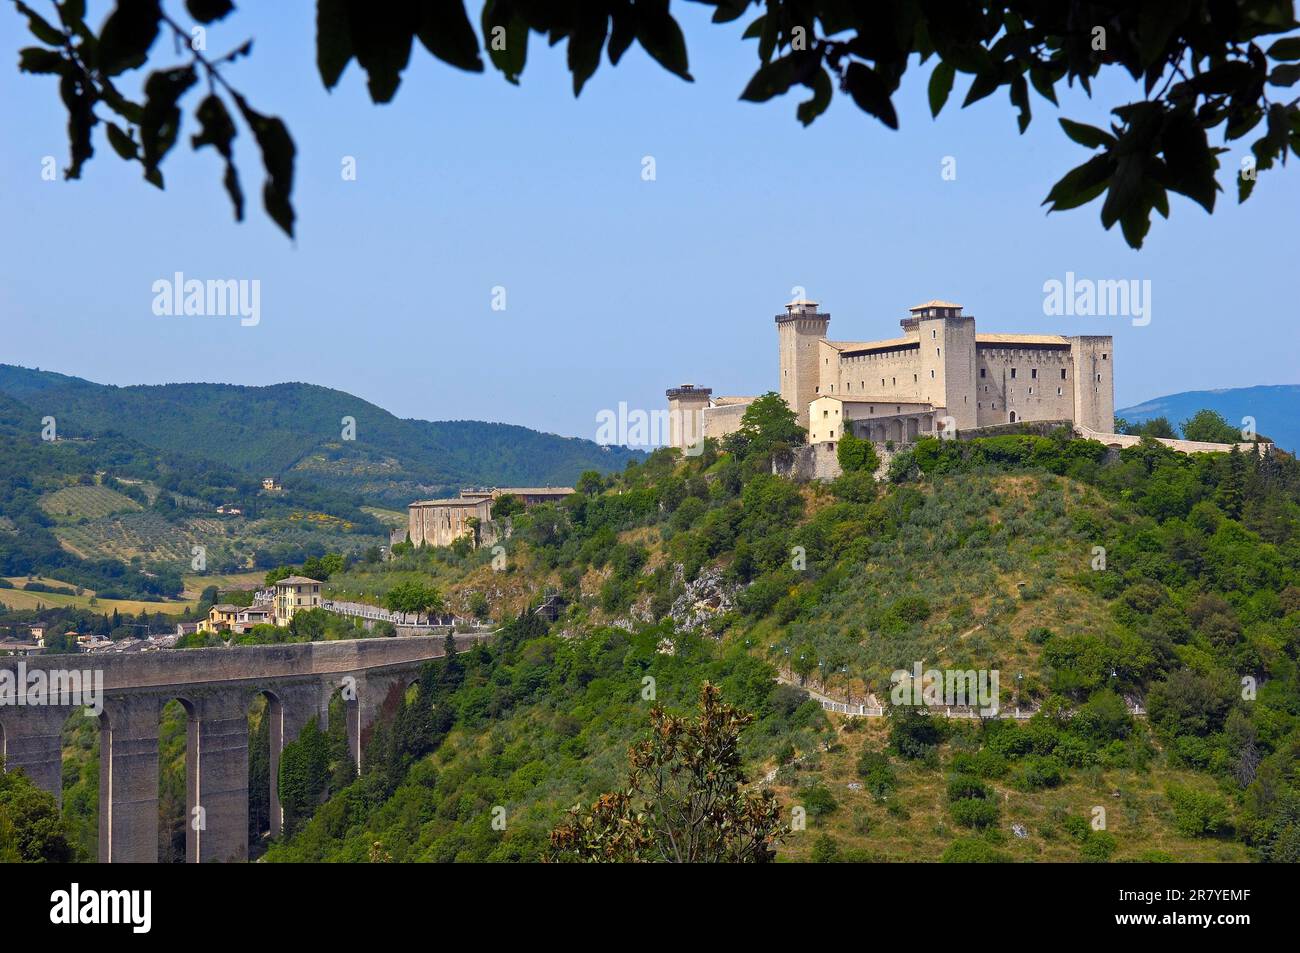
(1166, 580)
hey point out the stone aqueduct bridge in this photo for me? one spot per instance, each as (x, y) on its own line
(216, 686)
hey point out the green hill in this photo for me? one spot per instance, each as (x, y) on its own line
(288, 430)
(1125, 599)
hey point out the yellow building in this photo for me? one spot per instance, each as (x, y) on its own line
(221, 618)
(293, 594)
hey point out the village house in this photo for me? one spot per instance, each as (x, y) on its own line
(293, 594)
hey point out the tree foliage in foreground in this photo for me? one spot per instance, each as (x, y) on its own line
(684, 801)
(1203, 64)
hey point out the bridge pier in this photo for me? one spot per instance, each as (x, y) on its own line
(128, 780)
(217, 779)
(34, 743)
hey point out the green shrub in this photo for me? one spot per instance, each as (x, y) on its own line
(974, 812)
(1197, 813)
(969, 850)
(817, 800)
(1036, 772)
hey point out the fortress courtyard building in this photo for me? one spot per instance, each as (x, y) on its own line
(938, 375)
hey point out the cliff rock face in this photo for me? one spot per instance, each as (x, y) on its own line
(703, 598)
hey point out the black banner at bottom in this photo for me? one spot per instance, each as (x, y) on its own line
(136, 905)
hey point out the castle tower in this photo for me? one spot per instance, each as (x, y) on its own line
(686, 406)
(947, 359)
(798, 332)
(1094, 381)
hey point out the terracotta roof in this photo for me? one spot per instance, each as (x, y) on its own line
(530, 490)
(880, 345)
(1056, 339)
(935, 303)
(297, 581)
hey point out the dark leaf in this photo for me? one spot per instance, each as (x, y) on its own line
(1085, 135)
(1285, 75)
(870, 93)
(122, 144)
(127, 35)
(382, 33)
(661, 37)
(822, 89)
(37, 59)
(1020, 99)
(623, 32)
(1286, 49)
(1125, 189)
(445, 31)
(1081, 184)
(333, 40)
(505, 35)
(1190, 163)
(982, 85)
(208, 11)
(39, 26)
(161, 121)
(772, 79)
(585, 43)
(278, 153)
(940, 86)
(79, 100)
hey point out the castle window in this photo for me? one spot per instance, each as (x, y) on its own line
(1013, 373)
(882, 382)
(894, 381)
(826, 413)
(982, 372)
(1031, 392)
(936, 352)
(832, 434)
(1103, 355)
(932, 375)
(1033, 373)
(1063, 373)
(913, 378)
(1098, 378)
(932, 332)
(1058, 392)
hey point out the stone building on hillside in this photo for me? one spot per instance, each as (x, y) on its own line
(442, 522)
(938, 374)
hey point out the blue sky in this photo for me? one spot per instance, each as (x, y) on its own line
(616, 287)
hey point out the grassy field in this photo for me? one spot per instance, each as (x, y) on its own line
(195, 583)
(914, 823)
(16, 598)
(80, 503)
(390, 518)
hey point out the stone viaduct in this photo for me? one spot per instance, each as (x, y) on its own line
(217, 687)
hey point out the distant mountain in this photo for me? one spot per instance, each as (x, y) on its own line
(1275, 407)
(287, 429)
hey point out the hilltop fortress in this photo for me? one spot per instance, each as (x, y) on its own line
(939, 375)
